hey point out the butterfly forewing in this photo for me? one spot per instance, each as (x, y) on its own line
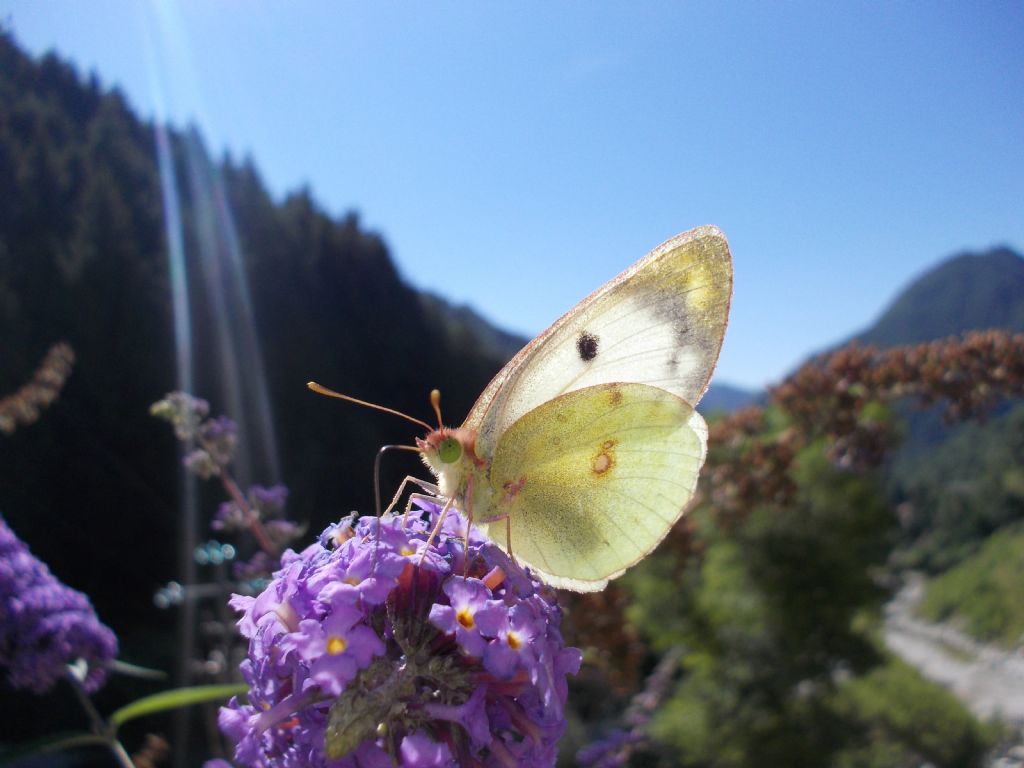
(592, 480)
(660, 323)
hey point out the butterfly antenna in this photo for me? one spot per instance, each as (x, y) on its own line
(435, 403)
(376, 471)
(322, 390)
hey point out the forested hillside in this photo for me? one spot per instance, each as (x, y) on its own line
(84, 259)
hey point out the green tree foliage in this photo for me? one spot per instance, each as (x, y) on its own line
(769, 624)
(954, 495)
(777, 622)
(984, 591)
(901, 719)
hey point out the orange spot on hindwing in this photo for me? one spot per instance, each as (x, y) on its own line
(604, 459)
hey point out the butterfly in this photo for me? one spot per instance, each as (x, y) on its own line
(584, 450)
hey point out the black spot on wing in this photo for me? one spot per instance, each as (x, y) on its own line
(586, 346)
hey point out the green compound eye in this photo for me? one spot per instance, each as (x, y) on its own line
(450, 450)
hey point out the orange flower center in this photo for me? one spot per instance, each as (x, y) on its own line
(336, 645)
(465, 618)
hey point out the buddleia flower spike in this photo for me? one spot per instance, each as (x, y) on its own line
(438, 655)
(45, 626)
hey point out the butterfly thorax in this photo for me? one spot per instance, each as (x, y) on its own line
(451, 455)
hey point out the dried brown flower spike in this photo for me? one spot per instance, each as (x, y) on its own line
(23, 407)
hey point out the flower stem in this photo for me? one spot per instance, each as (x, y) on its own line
(254, 522)
(99, 726)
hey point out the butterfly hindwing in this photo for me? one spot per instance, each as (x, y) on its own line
(592, 480)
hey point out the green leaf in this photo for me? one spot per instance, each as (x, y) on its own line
(179, 697)
(363, 706)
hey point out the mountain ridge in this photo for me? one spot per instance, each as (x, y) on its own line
(964, 292)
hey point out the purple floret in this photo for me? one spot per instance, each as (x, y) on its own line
(471, 614)
(369, 648)
(270, 502)
(420, 751)
(45, 625)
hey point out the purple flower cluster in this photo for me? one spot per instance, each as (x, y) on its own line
(260, 511)
(370, 648)
(265, 505)
(45, 625)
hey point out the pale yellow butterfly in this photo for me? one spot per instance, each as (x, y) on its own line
(584, 450)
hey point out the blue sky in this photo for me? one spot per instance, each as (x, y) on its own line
(516, 155)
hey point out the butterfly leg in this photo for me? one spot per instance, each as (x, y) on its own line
(430, 488)
(423, 485)
(437, 527)
(469, 523)
(508, 538)
(413, 497)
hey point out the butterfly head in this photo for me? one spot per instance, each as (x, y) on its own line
(450, 454)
